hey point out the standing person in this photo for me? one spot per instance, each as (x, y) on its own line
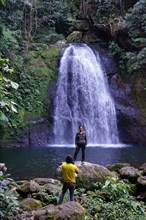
(80, 142)
(69, 170)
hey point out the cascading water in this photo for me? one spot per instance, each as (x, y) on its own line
(83, 97)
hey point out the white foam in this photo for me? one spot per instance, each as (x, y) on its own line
(92, 145)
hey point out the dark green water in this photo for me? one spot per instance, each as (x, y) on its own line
(26, 163)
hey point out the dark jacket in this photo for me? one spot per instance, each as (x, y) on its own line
(81, 138)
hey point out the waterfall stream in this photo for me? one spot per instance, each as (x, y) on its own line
(83, 97)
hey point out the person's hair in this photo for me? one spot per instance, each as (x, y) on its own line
(69, 159)
(80, 126)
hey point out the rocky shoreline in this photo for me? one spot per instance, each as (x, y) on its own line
(38, 198)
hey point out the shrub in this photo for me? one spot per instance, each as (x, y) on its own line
(114, 202)
(8, 198)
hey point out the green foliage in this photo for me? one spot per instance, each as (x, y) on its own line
(8, 198)
(122, 210)
(136, 25)
(22, 24)
(106, 10)
(40, 73)
(8, 105)
(136, 60)
(136, 21)
(116, 189)
(8, 38)
(35, 20)
(115, 50)
(133, 61)
(114, 202)
(119, 54)
(2, 2)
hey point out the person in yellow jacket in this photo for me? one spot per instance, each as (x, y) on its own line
(69, 178)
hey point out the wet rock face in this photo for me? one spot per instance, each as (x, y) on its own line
(130, 119)
(37, 135)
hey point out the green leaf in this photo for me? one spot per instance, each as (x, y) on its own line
(13, 108)
(3, 117)
(14, 85)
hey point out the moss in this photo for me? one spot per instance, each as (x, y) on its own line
(116, 167)
(30, 204)
(42, 69)
(74, 37)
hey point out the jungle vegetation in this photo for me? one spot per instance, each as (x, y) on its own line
(28, 63)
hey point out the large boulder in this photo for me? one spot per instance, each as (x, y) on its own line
(88, 174)
(66, 211)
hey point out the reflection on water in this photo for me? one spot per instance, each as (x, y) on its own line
(42, 162)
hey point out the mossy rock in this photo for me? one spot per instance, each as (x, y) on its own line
(129, 173)
(74, 37)
(117, 166)
(30, 204)
(45, 198)
(28, 187)
(67, 211)
(88, 174)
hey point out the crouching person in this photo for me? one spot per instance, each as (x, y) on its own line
(69, 178)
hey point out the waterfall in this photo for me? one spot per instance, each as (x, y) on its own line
(83, 97)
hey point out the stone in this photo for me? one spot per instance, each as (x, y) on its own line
(59, 44)
(30, 204)
(141, 183)
(82, 25)
(143, 166)
(43, 197)
(69, 211)
(52, 189)
(28, 188)
(43, 181)
(97, 208)
(65, 211)
(44, 213)
(88, 174)
(130, 173)
(3, 168)
(117, 166)
(90, 37)
(74, 37)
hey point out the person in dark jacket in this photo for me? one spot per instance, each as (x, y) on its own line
(80, 142)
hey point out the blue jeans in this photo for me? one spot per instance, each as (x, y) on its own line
(66, 186)
(82, 147)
